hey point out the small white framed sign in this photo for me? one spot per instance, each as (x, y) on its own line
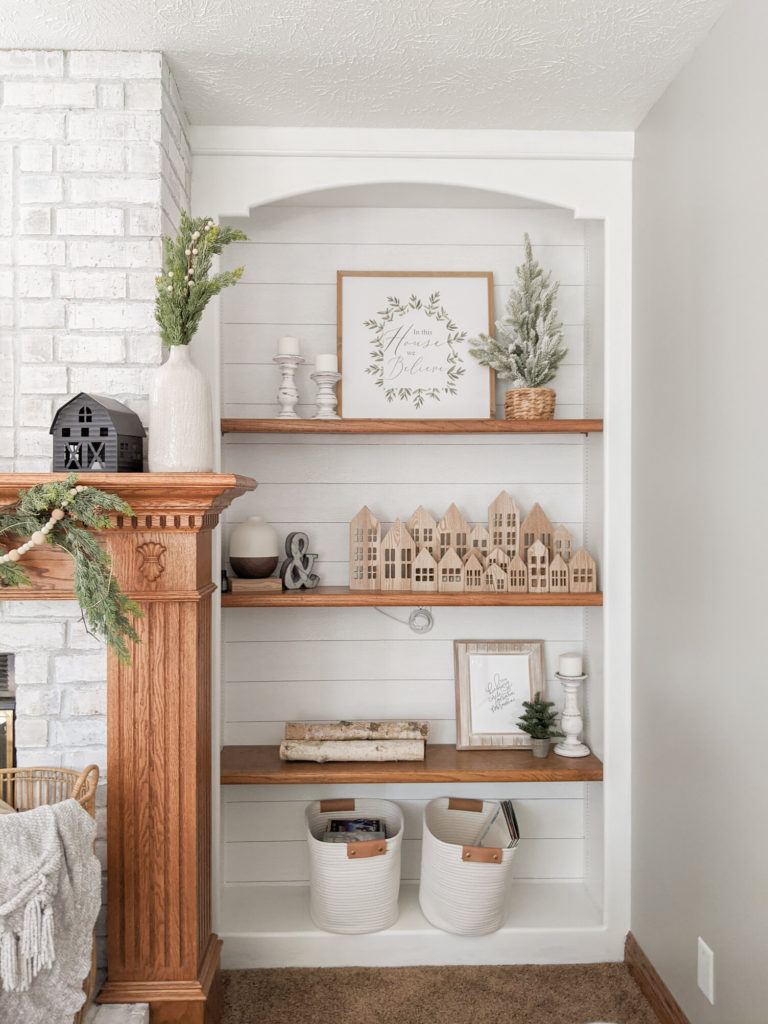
(493, 678)
(403, 344)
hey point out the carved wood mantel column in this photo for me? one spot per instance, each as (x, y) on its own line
(160, 945)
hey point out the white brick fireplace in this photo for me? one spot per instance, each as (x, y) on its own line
(94, 167)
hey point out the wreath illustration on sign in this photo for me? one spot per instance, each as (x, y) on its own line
(433, 309)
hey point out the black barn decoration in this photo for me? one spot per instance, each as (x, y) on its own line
(92, 433)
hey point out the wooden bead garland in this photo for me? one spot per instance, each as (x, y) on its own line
(38, 537)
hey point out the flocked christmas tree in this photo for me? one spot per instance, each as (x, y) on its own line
(528, 347)
(538, 719)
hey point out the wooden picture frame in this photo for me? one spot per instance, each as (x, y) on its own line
(402, 339)
(493, 678)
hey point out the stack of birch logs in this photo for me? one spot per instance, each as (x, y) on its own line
(354, 741)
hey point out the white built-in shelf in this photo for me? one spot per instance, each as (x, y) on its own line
(260, 925)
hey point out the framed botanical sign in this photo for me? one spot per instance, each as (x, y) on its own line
(403, 342)
(493, 678)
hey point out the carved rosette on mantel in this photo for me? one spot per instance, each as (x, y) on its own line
(161, 949)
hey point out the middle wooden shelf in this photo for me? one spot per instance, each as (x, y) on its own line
(343, 597)
(261, 765)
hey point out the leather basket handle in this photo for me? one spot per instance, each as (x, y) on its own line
(337, 805)
(456, 803)
(367, 848)
(481, 854)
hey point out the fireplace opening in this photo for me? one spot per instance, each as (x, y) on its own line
(7, 712)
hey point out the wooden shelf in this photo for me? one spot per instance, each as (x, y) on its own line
(343, 597)
(262, 766)
(276, 426)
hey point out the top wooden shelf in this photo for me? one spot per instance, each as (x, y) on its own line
(342, 426)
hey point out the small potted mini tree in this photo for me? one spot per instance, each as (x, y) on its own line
(539, 722)
(528, 347)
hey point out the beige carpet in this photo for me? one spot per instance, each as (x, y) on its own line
(570, 994)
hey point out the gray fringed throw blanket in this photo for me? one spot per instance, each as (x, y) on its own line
(50, 894)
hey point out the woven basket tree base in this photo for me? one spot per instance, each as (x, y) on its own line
(529, 404)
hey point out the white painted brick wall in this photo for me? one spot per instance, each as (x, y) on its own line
(80, 222)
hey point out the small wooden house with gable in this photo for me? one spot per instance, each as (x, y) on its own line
(364, 541)
(479, 542)
(496, 578)
(536, 526)
(396, 555)
(450, 573)
(538, 568)
(518, 576)
(558, 576)
(500, 557)
(473, 573)
(583, 573)
(454, 532)
(562, 543)
(424, 571)
(423, 528)
(504, 524)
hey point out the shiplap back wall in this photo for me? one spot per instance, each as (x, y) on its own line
(325, 664)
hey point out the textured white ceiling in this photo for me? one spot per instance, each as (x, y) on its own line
(517, 64)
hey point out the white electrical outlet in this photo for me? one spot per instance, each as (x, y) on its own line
(705, 974)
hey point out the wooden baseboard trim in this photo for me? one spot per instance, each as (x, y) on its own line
(651, 985)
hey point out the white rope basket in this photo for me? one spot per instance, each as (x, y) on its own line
(354, 886)
(463, 887)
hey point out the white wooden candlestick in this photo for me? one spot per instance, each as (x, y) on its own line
(287, 393)
(326, 394)
(571, 721)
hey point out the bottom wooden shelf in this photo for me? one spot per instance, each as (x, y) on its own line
(443, 763)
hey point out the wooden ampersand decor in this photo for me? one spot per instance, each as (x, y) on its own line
(296, 570)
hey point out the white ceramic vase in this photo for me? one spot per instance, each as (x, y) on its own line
(254, 548)
(180, 419)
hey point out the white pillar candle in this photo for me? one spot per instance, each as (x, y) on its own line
(327, 364)
(571, 665)
(288, 346)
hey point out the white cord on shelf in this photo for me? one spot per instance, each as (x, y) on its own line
(420, 620)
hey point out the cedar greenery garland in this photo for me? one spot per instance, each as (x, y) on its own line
(184, 288)
(538, 720)
(528, 346)
(105, 607)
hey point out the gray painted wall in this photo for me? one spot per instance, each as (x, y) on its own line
(700, 678)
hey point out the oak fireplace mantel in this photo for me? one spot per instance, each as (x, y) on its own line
(161, 949)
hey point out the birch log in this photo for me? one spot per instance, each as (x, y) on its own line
(399, 730)
(352, 750)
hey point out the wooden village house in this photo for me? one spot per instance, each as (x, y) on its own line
(536, 526)
(500, 557)
(473, 573)
(424, 571)
(496, 578)
(518, 576)
(397, 553)
(558, 575)
(538, 568)
(423, 528)
(364, 545)
(562, 543)
(450, 573)
(504, 523)
(426, 556)
(480, 543)
(583, 573)
(454, 532)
